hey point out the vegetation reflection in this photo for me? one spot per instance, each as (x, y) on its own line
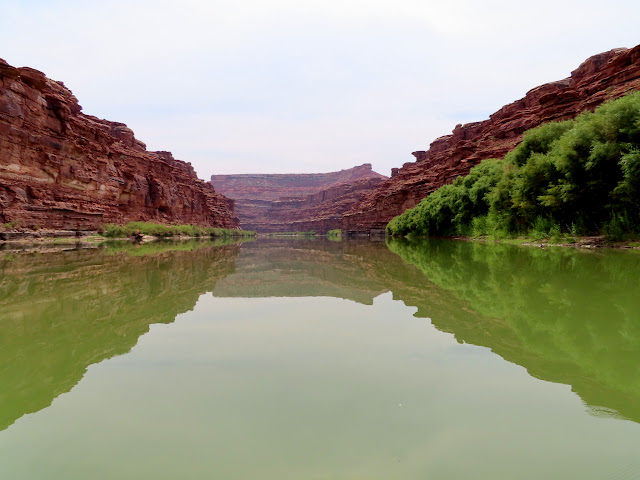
(568, 316)
(63, 311)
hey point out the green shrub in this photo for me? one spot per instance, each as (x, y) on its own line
(575, 177)
(451, 209)
(616, 227)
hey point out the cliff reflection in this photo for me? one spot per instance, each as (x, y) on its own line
(566, 316)
(61, 312)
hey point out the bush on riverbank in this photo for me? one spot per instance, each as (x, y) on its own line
(450, 209)
(335, 234)
(160, 230)
(575, 177)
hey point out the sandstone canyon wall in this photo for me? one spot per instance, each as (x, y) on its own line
(602, 77)
(60, 168)
(296, 202)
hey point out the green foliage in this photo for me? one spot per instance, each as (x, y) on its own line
(575, 177)
(450, 209)
(539, 140)
(7, 226)
(570, 307)
(160, 230)
(616, 227)
(335, 234)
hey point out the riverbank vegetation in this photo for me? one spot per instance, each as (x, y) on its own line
(565, 179)
(334, 235)
(164, 231)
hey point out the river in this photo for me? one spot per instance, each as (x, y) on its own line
(313, 359)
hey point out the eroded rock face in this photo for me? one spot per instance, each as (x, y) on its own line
(602, 77)
(296, 202)
(60, 168)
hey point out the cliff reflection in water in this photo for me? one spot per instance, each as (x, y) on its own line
(566, 316)
(63, 311)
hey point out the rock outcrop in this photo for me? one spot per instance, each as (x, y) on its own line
(296, 202)
(602, 77)
(60, 168)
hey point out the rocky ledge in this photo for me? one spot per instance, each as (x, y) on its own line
(297, 202)
(62, 169)
(600, 78)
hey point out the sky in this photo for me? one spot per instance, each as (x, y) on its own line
(284, 86)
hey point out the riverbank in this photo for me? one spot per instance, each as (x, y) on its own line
(48, 238)
(137, 231)
(51, 239)
(593, 241)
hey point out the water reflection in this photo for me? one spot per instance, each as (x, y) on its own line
(63, 311)
(566, 316)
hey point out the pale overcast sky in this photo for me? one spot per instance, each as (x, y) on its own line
(285, 86)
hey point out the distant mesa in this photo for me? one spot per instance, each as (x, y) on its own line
(296, 202)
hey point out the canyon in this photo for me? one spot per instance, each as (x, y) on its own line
(63, 169)
(296, 202)
(600, 78)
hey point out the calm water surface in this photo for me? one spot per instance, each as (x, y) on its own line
(320, 360)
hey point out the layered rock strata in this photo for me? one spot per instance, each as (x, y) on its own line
(60, 168)
(296, 202)
(600, 78)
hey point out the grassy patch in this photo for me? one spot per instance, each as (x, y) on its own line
(335, 235)
(8, 226)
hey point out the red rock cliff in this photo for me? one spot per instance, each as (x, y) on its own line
(602, 77)
(60, 168)
(296, 202)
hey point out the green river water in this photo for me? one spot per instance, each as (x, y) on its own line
(311, 359)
